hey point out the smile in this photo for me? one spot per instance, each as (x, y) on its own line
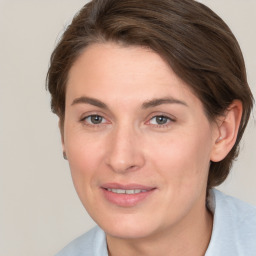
(127, 191)
(128, 195)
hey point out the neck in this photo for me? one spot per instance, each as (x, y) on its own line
(189, 238)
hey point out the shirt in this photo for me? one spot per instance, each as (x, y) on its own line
(233, 234)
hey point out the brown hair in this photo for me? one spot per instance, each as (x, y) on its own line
(196, 43)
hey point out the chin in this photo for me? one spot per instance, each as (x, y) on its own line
(137, 232)
(128, 227)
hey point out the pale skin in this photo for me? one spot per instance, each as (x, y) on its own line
(130, 120)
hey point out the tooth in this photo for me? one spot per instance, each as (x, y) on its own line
(130, 191)
(120, 191)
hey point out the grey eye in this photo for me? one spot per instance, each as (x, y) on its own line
(161, 119)
(95, 119)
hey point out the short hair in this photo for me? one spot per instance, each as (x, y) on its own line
(196, 43)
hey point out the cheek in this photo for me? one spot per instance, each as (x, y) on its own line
(183, 159)
(85, 158)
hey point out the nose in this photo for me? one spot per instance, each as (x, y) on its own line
(124, 152)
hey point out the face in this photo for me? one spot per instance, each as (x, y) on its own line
(137, 141)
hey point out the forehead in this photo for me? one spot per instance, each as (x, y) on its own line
(121, 72)
(110, 59)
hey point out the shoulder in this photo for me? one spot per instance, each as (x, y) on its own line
(91, 243)
(229, 209)
(234, 226)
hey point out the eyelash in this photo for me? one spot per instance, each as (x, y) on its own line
(169, 121)
(90, 124)
(165, 125)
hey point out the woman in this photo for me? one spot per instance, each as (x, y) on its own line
(153, 100)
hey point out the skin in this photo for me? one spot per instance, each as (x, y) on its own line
(130, 145)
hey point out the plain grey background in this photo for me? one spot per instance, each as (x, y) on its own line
(39, 209)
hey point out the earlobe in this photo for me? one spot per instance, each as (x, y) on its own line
(60, 124)
(228, 126)
(62, 139)
(64, 155)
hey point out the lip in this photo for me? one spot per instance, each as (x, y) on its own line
(126, 200)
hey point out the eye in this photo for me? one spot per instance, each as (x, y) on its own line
(160, 120)
(94, 119)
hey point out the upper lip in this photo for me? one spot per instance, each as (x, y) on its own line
(131, 186)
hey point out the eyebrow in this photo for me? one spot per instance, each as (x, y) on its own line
(145, 105)
(160, 101)
(91, 101)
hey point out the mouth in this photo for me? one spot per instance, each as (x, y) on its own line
(126, 195)
(126, 191)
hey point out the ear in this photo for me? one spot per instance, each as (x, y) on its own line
(61, 128)
(227, 126)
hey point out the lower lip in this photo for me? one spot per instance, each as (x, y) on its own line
(126, 200)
